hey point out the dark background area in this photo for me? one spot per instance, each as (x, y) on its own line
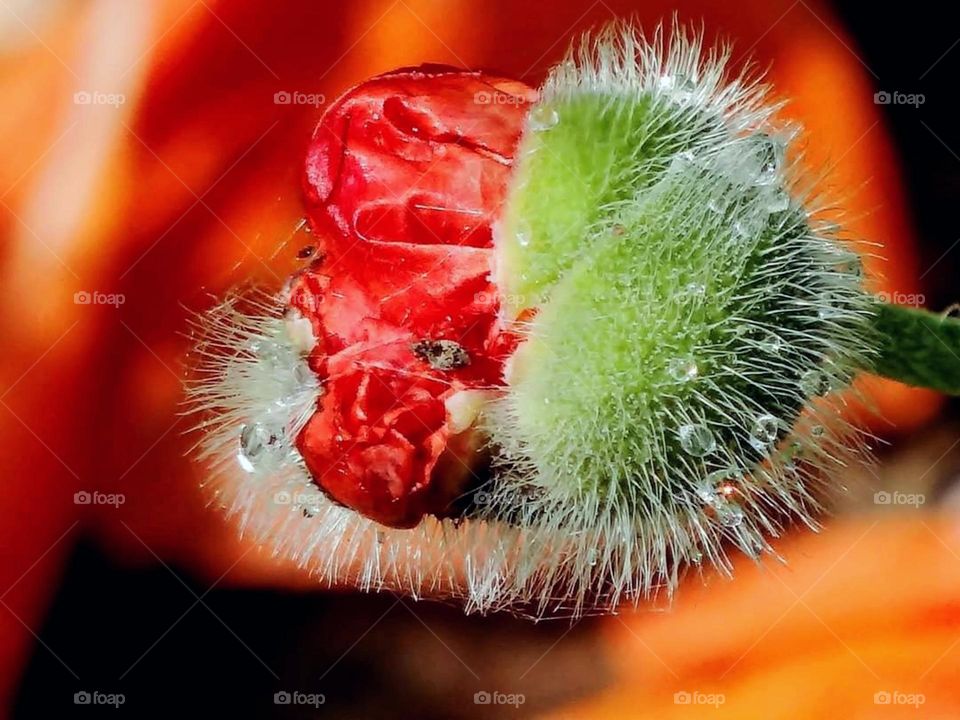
(915, 48)
(105, 613)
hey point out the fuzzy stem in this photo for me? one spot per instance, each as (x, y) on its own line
(918, 347)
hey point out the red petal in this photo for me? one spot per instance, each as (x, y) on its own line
(404, 177)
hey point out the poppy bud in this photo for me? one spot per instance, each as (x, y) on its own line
(620, 289)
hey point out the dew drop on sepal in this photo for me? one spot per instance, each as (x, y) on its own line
(683, 369)
(682, 161)
(543, 118)
(771, 342)
(694, 289)
(770, 156)
(814, 382)
(256, 439)
(763, 432)
(697, 439)
(522, 234)
(778, 200)
(678, 87)
(715, 492)
(730, 514)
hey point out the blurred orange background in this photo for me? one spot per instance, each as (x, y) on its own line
(144, 156)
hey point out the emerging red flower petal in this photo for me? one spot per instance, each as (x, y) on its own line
(405, 175)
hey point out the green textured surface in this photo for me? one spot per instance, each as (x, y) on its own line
(571, 176)
(918, 347)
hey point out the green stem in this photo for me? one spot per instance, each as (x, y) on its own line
(918, 347)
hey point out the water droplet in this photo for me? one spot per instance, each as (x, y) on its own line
(680, 87)
(724, 477)
(303, 374)
(814, 383)
(730, 514)
(791, 455)
(779, 201)
(746, 230)
(682, 161)
(686, 88)
(764, 432)
(695, 289)
(592, 557)
(828, 311)
(683, 369)
(271, 355)
(543, 118)
(523, 233)
(750, 542)
(696, 557)
(706, 490)
(255, 440)
(770, 156)
(852, 266)
(697, 439)
(771, 343)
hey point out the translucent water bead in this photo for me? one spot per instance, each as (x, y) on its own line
(256, 441)
(764, 431)
(683, 369)
(543, 118)
(696, 439)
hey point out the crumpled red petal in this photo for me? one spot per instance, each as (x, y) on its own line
(405, 175)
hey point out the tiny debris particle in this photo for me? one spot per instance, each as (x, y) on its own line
(442, 354)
